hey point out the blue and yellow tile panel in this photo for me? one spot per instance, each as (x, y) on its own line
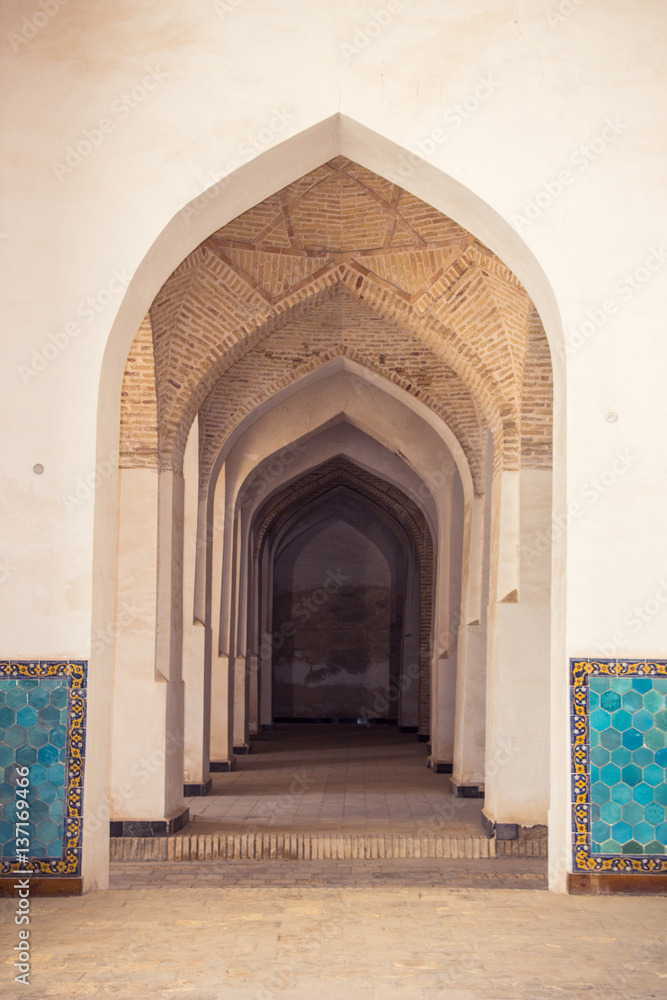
(43, 729)
(619, 761)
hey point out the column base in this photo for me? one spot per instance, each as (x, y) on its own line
(423, 738)
(243, 749)
(440, 766)
(408, 729)
(267, 727)
(466, 791)
(150, 827)
(222, 765)
(593, 884)
(501, 831)
(197, 788)
(43, 886)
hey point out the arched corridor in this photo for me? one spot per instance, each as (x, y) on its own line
(336, 448)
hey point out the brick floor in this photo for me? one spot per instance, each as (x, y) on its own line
(333, 778)
(352, 942)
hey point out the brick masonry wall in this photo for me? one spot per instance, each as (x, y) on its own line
(418, 271)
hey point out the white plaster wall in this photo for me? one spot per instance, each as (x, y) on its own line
(543, 89)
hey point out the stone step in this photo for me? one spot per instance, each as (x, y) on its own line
(300, 847)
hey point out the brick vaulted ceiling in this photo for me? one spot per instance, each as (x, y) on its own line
(341, 262)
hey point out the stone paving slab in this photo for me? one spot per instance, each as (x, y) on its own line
(352, 942)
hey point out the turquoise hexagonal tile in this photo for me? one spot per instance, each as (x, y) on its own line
(633, 813)
(610, 739)
(632, 739)
(595, 773)
(48, 831)
(654, 775)
(6, 756)
(610, 812)
(599, 684)
(661, 832)
(2, 698)
(26, 755)
(643, 832)
(48, 755)
(642, 720)
(621, 832)
(631, 774)
(655, 847)
(654, 813)
(49, 716)
(26, 716)
(642, 757)
(595, 848)
(7, 717)
(654, 739)
(599, 756)
(610, 774)
(621, 793)
(38, 849)
(610, 847)
(595, 812)
(37, 774)
(15, 736)
(59, 697)
(593, 701)
(622, 684)
(57, 774)
(26, 683)
(38, 697)
(610, 701)
(600, 795)
(10, 811)
(632, 847)
(600, 831)
(7, 793)
(6, 831)
(600, 720)
(659, 719)
(661, 757)
(37, 736)
(643, 794)
(16, 698)
(642, 684)
(632, 701)
(54, 849)
(9, 849)
(58, 736)
(48, 792)
(56, 811)
(621, 720)
(653, 701)
(39, 811)
(593, 737)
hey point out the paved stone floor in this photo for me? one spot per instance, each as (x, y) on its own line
(254, 941)
(333, 777)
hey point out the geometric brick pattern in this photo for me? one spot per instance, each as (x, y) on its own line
(428, 284)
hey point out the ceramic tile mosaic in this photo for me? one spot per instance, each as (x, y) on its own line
(42, 728)
(619, 761)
